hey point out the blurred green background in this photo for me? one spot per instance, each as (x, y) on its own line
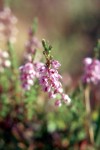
(72, 26)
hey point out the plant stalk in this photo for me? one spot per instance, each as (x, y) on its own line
(88, 111)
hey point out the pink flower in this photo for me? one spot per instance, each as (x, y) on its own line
(55, 64)
(37, 66)
(58, 103)
(47, 73)
(52, 95)
(66, 98)
(49, 79)
(87, 61)
(91, 71)
(27, 75)
(8, 30)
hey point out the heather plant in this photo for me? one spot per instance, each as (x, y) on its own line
(8, 29)
(91, 78)
(36, 113)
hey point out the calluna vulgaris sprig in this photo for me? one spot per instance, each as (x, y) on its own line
(49, 78)
(91, 71)
(29, 72)
(47, 74)
(92, 67)
(31, 45)
(8, 29)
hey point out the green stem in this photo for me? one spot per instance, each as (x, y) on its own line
(98, 127)
(15, 73)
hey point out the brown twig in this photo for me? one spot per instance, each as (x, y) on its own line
(88, 111)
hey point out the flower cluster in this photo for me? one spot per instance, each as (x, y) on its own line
(29, 71)
(8, 30)
(4, 60)
(31, 45)
(91, 71)
(50, 81)
(47, 74)
(28, 74)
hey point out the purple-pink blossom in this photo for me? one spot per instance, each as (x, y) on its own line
(50, 81)
(29, 73)
(47, 74)
(8, 29)
(58, 103)
(55, 64)
(91, 71)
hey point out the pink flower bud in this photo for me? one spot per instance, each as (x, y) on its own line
(87, 61)
(66, 99)
(55, 64)
(58, 103)
(52, 95)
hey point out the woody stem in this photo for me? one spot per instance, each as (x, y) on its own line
(88, 111)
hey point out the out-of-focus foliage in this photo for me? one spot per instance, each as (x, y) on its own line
(74, 22)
